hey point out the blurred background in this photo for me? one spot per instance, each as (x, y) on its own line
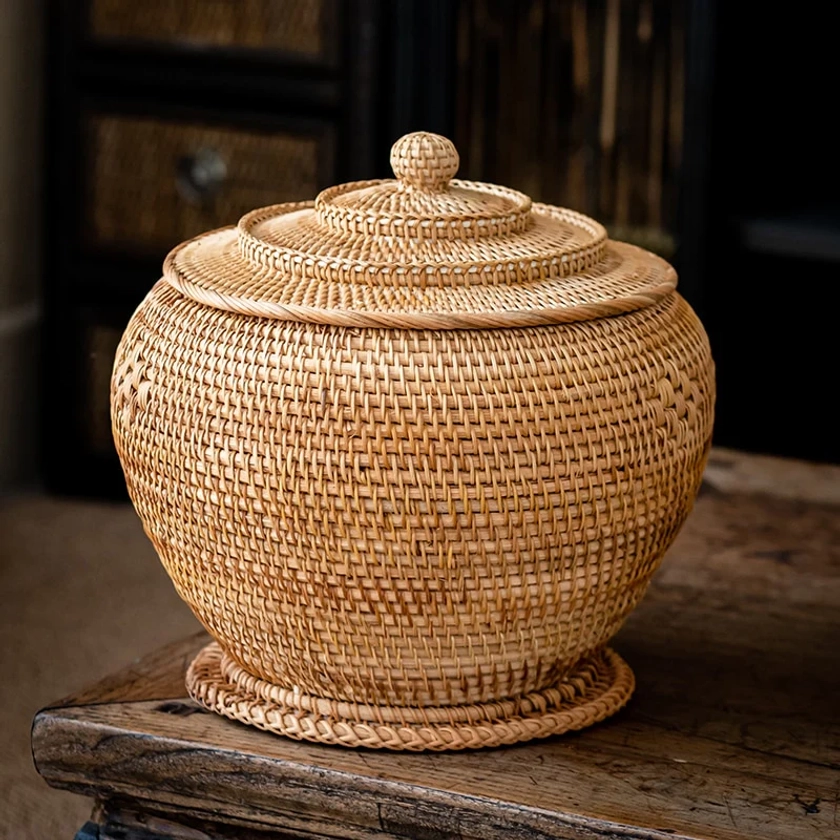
(700, 130)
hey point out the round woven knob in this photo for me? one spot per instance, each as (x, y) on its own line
(424, 160)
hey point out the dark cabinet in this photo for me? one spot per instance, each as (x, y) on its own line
(168, 118)
(154, 181)
(172, 117)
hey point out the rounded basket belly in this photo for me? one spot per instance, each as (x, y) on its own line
(410, 517)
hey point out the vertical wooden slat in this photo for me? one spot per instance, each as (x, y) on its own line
(576, 181)
(657, 137)
(464, 37)
(640, 99)
(676, 110)
(529, 154)
(478, 126)
(576, 102)
(596, 26)
(508, 22)
(609, 105)
(619, 212)
(610, 82)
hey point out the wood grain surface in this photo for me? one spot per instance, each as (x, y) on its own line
(734, 732)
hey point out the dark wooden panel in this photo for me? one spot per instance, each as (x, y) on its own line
(287, 94)
(579, 104)
(99, 348)
(79, 454)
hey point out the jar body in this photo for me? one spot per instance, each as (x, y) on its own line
(411, 517)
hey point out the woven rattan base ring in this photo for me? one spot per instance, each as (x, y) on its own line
(596, 689)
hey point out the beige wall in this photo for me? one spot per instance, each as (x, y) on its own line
(20, 107)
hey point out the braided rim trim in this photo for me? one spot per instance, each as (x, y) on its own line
(598, 688)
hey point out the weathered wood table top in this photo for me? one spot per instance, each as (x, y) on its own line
(734, 731)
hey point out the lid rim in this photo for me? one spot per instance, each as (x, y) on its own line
(546, 317)
(422, 252)
(645, 294)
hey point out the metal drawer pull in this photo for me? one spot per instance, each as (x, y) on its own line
(201, 175)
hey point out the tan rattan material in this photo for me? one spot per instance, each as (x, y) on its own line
(596, 690)
(422, 251)
(431, 524)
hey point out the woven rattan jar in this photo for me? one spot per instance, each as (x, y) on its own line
(411, 453)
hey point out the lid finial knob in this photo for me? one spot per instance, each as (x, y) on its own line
(423, 160)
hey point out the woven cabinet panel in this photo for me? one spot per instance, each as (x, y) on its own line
(411, 517)
(144, 187)
(305, 27)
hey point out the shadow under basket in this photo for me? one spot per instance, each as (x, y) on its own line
(596, 689)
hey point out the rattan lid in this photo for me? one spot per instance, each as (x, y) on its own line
(422, 251)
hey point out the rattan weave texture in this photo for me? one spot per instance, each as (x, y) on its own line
(411, 518)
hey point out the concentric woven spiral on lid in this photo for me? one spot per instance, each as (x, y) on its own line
(422, 251)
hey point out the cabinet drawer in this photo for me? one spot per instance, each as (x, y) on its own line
(306, 29)
(153, 183)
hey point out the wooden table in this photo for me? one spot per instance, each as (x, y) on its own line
(734, 731)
